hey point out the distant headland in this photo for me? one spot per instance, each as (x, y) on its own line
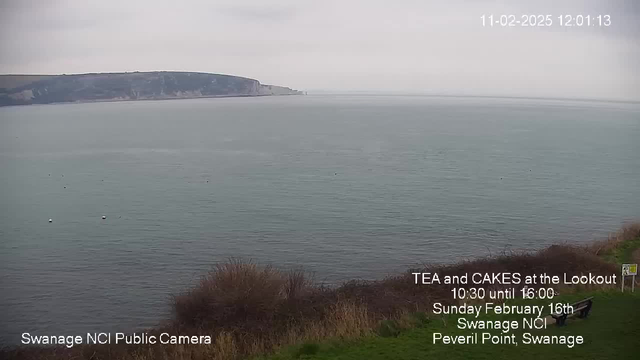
(154, 85)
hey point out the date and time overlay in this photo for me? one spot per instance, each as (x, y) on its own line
(532, 20)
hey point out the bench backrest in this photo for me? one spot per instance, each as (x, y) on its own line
(581, 302)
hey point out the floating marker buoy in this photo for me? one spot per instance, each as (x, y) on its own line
(50, 220)
(103, 217)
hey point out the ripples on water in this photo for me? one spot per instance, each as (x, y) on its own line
(359, 186)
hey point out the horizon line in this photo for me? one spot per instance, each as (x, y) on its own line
(408, 93)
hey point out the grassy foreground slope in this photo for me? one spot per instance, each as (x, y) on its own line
(12, 81)
(253, 311)
(611, 332)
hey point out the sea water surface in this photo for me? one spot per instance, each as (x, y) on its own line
(346, 186)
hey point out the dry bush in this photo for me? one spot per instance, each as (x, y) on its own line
(225, 347)
(345, 320)
(297, 284)
(231, 295)
(349, 320)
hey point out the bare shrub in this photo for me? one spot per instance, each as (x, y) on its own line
(225, 347)
(298, 283)
(232, 294)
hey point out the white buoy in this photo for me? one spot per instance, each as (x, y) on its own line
(50, 220)
(103, 217)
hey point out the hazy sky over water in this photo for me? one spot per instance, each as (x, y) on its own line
(416, 46)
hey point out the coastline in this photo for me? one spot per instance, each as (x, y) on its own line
(151, 99)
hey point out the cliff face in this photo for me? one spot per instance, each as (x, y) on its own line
(131, 86)
(277, 90)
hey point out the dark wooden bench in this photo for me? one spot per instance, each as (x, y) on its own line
(581, 308)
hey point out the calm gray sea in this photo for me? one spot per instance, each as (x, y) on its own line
(347, 186)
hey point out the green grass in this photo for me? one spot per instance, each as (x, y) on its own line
(611, 331)
(11, 81)
(623, 252)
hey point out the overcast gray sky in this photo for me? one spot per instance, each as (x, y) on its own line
(417, 46)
